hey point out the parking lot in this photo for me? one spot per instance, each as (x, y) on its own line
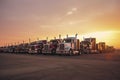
(104, 66)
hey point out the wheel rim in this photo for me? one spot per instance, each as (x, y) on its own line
(71, 52)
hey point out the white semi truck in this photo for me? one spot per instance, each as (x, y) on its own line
(69, 46)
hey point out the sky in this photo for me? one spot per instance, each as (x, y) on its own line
(24, 19)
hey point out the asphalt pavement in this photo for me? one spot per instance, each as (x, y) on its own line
(104, 66)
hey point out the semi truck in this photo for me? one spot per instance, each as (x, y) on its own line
(85, 47)
(88, 45)
(69, 46)
(100, 47)
(37, 46)
(51, 46)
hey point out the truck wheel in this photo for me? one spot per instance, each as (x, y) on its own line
(79, 53)
(71, 52)
(53, 51)
(39, 51)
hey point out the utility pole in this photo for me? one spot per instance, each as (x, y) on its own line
(23, 41)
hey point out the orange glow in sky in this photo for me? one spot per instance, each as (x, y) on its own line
(110, 37)
(24, 19)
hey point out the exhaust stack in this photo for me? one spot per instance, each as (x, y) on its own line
(76, 35)
(37, 39)
(67, 35)
(59, 36)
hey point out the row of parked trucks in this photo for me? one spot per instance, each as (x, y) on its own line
(68, 46)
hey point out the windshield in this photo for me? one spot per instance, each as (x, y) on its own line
(54, 41)
(44, 41)
(67, 40)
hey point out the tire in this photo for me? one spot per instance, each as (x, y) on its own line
(79, 53)
(53, 52)
(70, 52)
(39, 51)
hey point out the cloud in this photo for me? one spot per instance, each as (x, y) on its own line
(72, 11)
(69, 13)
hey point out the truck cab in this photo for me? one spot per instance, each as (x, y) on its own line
(37, 47)
(84, 47)
(52, 46)
(70, 46)
(100, 47)
(91, 45)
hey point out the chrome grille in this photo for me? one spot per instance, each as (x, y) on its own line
(61, 46)
(46, 47)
